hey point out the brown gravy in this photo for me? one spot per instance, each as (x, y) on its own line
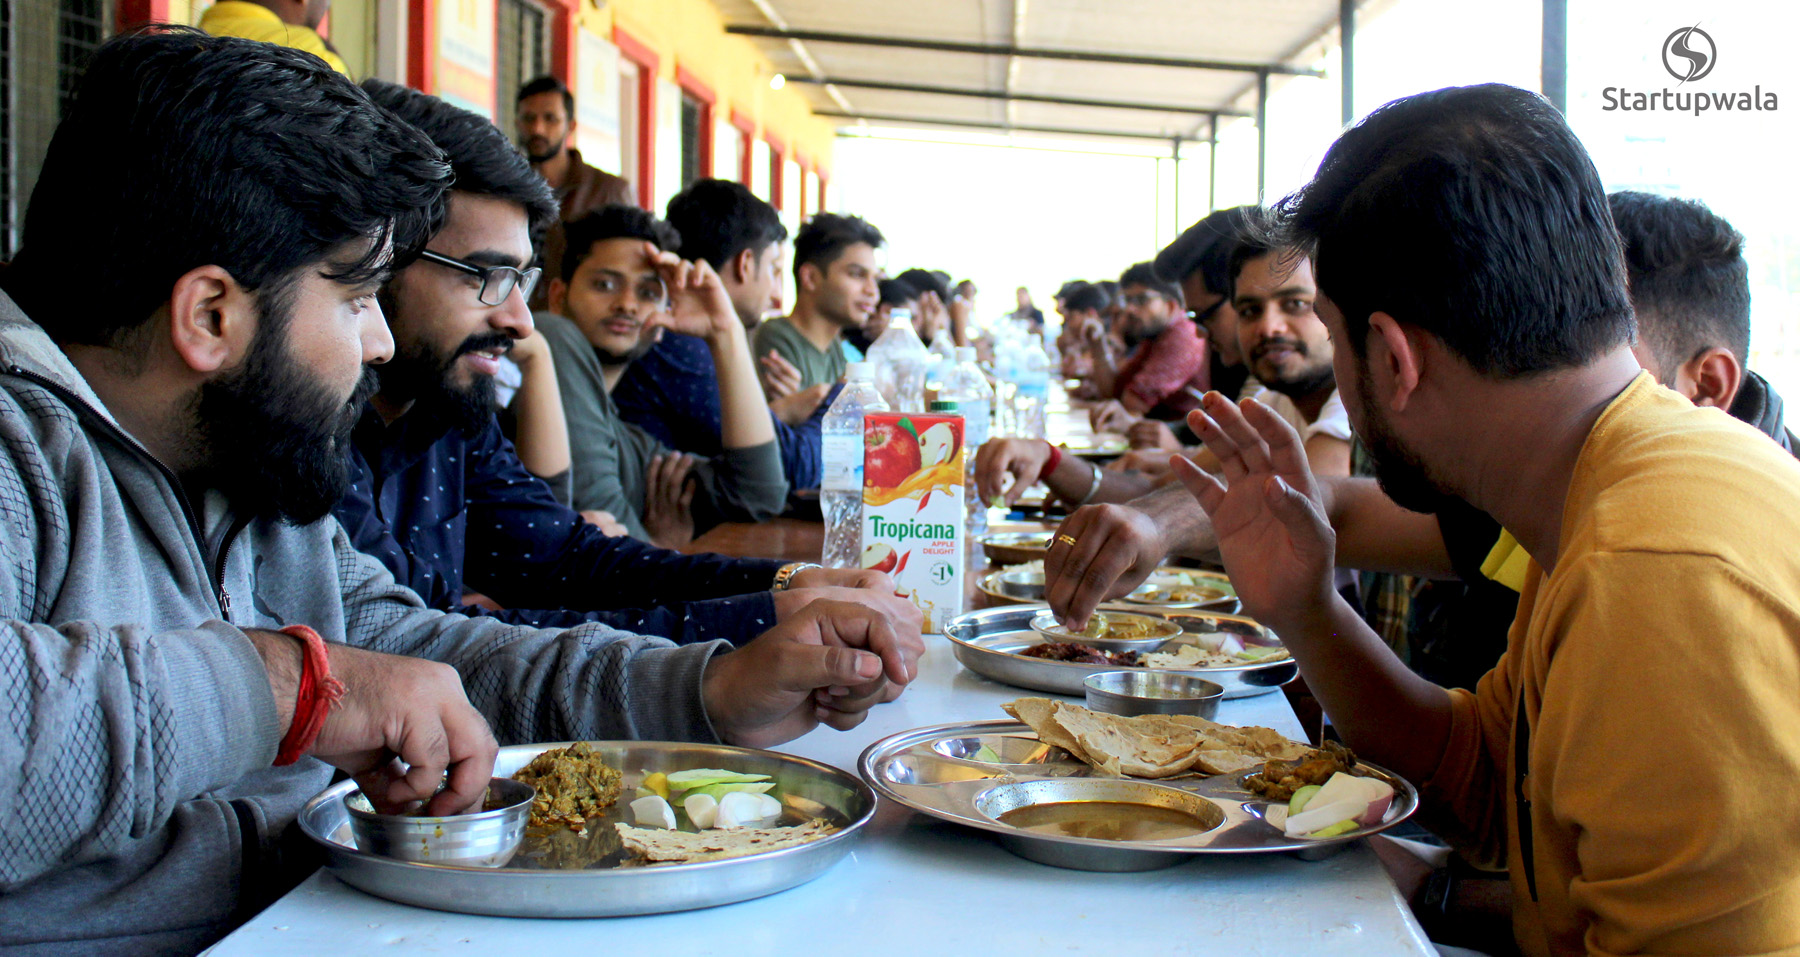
(1109, 821)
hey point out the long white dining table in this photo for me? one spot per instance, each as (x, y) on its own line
(914, 885)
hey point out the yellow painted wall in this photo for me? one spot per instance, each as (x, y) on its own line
(691, 34)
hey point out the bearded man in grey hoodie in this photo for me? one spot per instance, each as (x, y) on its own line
(184, 347)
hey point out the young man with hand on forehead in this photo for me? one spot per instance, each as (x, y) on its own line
(672, 392)
(439, 495)
(191, 642)
(622, 284)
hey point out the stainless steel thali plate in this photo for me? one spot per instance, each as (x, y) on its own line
(1013, 548)
(1171, 588)
(939, 771)
(558, 873)
(1025, 583)
(988, 643)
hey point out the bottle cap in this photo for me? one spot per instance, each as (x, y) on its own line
(965, 353)
(860, 370)
(943, 405)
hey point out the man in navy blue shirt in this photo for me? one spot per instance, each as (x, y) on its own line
(440, 497)
(672, 391)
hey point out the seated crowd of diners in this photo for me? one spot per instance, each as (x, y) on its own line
(375, 442)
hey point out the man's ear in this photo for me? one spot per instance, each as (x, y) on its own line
(809, 277)
(741, 269)
(212, 319)
(1401, 358)
(1711, 378)
(558, 296)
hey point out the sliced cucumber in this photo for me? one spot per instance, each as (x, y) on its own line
(700, 777)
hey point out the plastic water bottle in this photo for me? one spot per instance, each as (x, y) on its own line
(841, 485)
(900, 360)
(967, 386)
(1034, 388)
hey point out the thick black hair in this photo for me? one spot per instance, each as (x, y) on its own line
(897, 292)
(1688, 279)
(484, 162)
(1062, 291)
(1472, 213)
(1259, 234)
(613, 221)
(1078, 295)
(1141, 274)
(183, 150)
(718, 219)
(1205, 248)
(926, 280)
(825, 236)
(548, 84)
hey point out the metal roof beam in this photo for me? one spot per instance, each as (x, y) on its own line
(1001, 127)
(1025, 97)
(996, 49)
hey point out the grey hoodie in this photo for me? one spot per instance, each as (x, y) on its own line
(139, 812)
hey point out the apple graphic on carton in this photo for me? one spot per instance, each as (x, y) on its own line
(937, 444)
(890, 455)
(879, 557)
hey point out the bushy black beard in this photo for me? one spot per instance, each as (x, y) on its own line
(277, 440)
(417, 375)
(1399, 471)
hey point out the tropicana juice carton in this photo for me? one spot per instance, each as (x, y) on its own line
(913, 514)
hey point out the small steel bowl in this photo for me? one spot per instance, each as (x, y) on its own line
(1129, 693)
(483, 839)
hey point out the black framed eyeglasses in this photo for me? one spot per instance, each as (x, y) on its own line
(1204, 316)
(497, 282)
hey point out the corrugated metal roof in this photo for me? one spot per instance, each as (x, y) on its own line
(1280, 35)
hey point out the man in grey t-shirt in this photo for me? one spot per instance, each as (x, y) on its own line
(836, 287)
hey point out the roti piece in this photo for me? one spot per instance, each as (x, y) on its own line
(1040, 714)
(1141, 747)
(658, 846)
(1152, 745)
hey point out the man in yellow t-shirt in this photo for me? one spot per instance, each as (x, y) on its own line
(1632, 757)
(288, 23)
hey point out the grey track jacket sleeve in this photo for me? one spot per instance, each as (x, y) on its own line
(589, 682)
(104, 734)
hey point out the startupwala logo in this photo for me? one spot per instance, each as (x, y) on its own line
(1693, 49)
(1689, 54)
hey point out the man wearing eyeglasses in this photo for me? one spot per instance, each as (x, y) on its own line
(440, 497)
(612, 294)
(1165, 373)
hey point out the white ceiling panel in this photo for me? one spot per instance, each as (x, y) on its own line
(1276, 34)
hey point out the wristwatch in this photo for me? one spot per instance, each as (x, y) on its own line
(784, 576)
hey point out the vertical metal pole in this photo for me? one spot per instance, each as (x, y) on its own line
(1175, 151)
(1212, 162)
(1156, 204)
(1347, 59)
(1262, 135)
(1556, 53)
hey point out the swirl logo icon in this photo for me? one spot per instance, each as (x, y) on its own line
(1689, 53)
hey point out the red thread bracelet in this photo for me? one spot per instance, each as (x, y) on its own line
(1052, 462)
(318, 691)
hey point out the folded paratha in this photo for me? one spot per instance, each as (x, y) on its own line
(1152, 745)
(658, 846)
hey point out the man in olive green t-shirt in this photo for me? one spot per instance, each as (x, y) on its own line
(836, 288)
